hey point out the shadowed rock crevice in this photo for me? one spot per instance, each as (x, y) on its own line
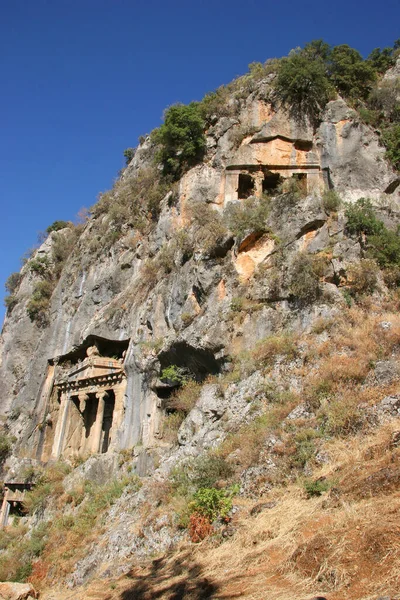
(198, 363)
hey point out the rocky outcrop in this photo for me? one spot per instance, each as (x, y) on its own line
(109, 297)
(17, 591)
(132, 319)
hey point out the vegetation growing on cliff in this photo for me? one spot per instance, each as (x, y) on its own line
(181, 139)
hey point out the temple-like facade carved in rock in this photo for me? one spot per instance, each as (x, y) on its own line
(281, 149)
(83, 401)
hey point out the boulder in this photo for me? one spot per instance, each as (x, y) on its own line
(10, 590)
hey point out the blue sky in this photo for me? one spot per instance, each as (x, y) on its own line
(82, 79)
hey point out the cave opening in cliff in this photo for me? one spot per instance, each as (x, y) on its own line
(271, 182)
(106, 348)
(189, 362)
(246, 186)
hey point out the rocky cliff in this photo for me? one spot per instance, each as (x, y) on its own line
(246, 266)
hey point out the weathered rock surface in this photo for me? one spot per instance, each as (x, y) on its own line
(188, 316)
(17, 591)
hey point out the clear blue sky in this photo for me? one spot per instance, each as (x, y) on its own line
(82, 79)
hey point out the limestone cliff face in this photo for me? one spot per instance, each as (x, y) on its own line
(183, 316)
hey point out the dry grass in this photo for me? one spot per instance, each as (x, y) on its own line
(295, 547)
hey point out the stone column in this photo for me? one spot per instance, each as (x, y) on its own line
(119, 410)
(97, 429)
(61, 425)
(258, 181)
(5, 509)
(83, 398)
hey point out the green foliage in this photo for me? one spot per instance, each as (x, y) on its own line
(134, 201)
(304, 448)
(39, 302)
(317, 50)
(361, 218)
(5, 446)
(57, 225)
(331, 201)
(202, 472)
(10, 302)
(305, 275)
(11, 285)
(351, 75)
(248, 216)
(316, 487)
(39, 265)
(363, 277)
(12, 282)
(237, 304)
(391, 139)
(385, 248)
(302, 84)
(381, 60)
(384, 102)
(129, 153)
(213, 503)
(181, 139)
(173, 374)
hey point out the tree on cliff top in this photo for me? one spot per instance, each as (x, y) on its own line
(181, 139)
(302, 84)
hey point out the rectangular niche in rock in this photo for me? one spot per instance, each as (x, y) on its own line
(245, 186)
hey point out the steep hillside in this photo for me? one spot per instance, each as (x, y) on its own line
(206, 368)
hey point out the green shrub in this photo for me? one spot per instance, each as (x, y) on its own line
(385, 248)
(39, 265)
(250, 215)
(304, 280)
(129, 153)
(381, 60)
(352, 76)
(5, 447)
(383, 245)
(181, 139)
(12, 282)
(302, 85)
(10, 302)
(363, 277)
(237, 304)
(316, 487)
(361, 218)
(212, 503)
(370, 117)
(173, 374)
(391, 139)
(331, 201)
(39, 303)
(57, 225)
(202, 472)
(304, 448)
(383, 101)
